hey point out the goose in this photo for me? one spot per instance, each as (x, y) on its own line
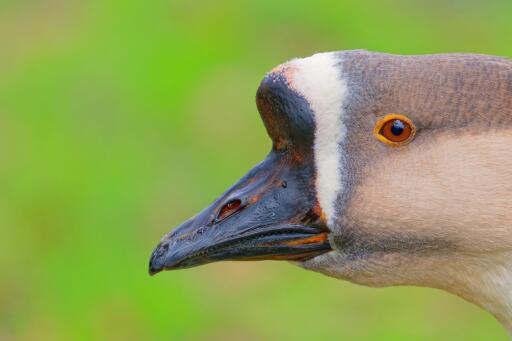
(384, 170)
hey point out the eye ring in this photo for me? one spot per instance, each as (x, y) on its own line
(394, 130)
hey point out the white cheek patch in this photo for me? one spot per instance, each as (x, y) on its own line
(318, 80)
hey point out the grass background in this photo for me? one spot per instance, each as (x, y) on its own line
(120, 119)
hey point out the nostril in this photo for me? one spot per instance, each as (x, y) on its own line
(284, 184)
(228, 209)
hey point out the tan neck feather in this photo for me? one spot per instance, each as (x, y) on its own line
(454, 188)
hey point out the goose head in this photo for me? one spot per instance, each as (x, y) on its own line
(385, 170)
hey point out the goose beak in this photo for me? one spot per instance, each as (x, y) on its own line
(286, 242)
(266, 215)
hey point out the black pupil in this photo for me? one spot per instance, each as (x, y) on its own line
(397, 128)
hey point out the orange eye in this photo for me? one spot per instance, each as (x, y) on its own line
(395, 130)
(229, 209)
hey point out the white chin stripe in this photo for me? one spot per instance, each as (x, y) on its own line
(318, 80)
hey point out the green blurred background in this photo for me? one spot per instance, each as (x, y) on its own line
(120, 119)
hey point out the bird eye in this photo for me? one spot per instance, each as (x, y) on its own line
(228, 209)
(395, 130)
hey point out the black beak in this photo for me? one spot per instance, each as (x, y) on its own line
(291, 242)
(270, 214)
